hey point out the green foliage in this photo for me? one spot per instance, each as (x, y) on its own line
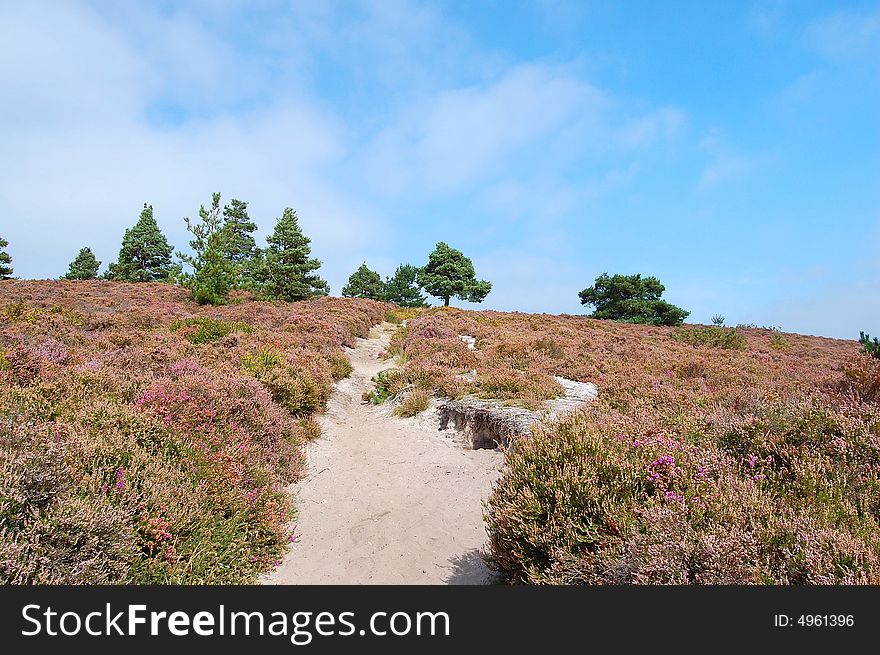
(718, 320)
(5, 261)
(145, 255)
(340, 366)
(387, 384)
(260, 362)
(214, 275)
(241, 247)
(415, 403)
(403, 288)
(631, 299)
(202, 329)
(364, 283)
(778, 341)
(295, 389)
(84, 267)
(712, 337)
(869, 346)
(287, 271)
(449, 273)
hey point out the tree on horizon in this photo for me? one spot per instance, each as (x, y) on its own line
(145, 254)
(213, 275)
(84, 267)
(287, 271)
(449, 273)
(403, 289)
(364, 283)
(241, 247)
(631, 299)
(5, 260)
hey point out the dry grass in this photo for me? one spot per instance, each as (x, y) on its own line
(415, 402)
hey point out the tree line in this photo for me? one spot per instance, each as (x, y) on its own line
(225, 257)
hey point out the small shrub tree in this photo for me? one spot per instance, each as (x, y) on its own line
(449, 273)
(869, 346)
(631, 299)
(213, 273)
(403, 287)
(364, 283)
(84, 266)
(288, 272)
(145, 255)
(5, 261)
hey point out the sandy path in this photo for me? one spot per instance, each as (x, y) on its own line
(385, 501)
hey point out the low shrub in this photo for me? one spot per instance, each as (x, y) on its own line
(862, 378)
(393, 317)
(415, 402)
(385, 384)
(870, 347)
(340, 366)
(601, 499)
(296, 390)
(260, 362)
(711, 336)
(778, 341)
(203, 329)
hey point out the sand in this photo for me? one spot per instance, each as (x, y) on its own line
(386, 500)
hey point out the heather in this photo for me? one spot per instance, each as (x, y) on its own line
(712, 455)
(147, 439)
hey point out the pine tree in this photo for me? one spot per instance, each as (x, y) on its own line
(145, 255)
(403, 288)
(631, 299)
(287, 271)
(84, 267)
(213, 274)
(5, 261)
(449, 273)
(364, 283)
(241, 248)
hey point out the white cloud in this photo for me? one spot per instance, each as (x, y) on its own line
(81, 156)
(725, 164)
(91, 134)
(847, 35)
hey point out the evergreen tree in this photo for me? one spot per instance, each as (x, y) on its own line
(241, 248)
(5, 261)
(287, 271)
(403, 288)
(213, 273)
(631, 299)
(449, 273)
(364, 283)
(145, 255)
(84, 267)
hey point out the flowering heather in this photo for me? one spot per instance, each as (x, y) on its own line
(135, 447)
(698, 464)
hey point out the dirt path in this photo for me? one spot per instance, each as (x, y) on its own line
(385, 501)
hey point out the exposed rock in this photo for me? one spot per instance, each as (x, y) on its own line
(470, 376)
(486, 423)
(469, 340)
(489, 423)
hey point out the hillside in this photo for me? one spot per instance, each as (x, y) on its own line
(712, 455)
(146, 439)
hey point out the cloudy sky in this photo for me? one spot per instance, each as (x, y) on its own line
(731, 149)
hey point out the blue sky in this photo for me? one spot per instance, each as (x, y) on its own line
(731, 149)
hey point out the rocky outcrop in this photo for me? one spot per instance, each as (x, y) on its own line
(489, 423)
